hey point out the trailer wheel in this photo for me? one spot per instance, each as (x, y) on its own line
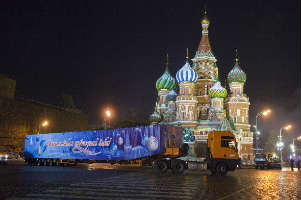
(57, 162)
(222, 169)
(162, 166)
(39, 162)
(178, 167)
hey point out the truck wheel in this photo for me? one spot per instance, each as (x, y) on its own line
(213, 171)
(256, 167)
(222, 169)
(178, 167)
(261, 167)
(44, 162)
(75, 163)
(162, 166)
(51, 162)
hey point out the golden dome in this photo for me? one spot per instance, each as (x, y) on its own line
(205, 19)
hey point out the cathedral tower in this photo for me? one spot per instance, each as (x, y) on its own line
(204, 63)
(217, 94)
(186, 102)
(238, 110)
(164, 84)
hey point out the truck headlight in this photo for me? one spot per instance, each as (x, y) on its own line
(6, 156)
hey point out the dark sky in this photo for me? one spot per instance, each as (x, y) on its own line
(112, 52)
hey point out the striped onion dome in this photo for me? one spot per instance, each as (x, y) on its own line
(237, 74)
(217, 91)
(166, 81)
(172, 95)
(186, 73)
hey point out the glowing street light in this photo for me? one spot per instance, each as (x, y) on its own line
(108, 115)
(280, 144)
(44, 123)
(260, 114)
(265, 113)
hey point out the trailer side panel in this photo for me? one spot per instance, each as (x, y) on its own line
(118, 144)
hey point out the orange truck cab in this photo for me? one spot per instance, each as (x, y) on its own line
(222, 152)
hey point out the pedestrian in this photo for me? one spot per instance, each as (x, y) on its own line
(292, 163)
(298, 164)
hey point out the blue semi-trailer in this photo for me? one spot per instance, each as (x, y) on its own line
(161, 144)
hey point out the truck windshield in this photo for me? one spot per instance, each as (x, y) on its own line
(228, 143)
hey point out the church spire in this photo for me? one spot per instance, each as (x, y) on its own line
(187, 54)
(204, 45)
(236, 55)
(166, 64)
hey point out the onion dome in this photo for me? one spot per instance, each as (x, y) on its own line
(237, 74)
(205, 19)
(166, 81)
(186, 73)
(172, 95)
(155, 117)
(217, 91)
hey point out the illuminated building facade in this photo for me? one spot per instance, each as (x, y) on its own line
(202, 103)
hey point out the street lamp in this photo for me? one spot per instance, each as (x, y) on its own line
(280, 143)
(44, 123)
(260, 114)
(107, 115)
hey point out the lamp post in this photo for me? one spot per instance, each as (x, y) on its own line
(107, 116)
(43, 124)
(280, 144)
(260, 114)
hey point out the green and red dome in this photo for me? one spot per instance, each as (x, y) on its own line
(236, 74)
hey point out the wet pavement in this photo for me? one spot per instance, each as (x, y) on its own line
(107, 182)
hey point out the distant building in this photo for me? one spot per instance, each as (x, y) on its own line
(202, 103)
(19, 117)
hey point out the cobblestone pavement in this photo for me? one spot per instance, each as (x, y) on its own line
(33, 182)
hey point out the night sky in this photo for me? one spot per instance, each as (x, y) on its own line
(112, 52)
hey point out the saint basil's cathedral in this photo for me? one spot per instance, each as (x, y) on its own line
(201, 103)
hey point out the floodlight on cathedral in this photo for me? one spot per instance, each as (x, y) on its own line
(186, 73)
(166, 81)
(236, 74)
(155, 117)
(217, 91)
